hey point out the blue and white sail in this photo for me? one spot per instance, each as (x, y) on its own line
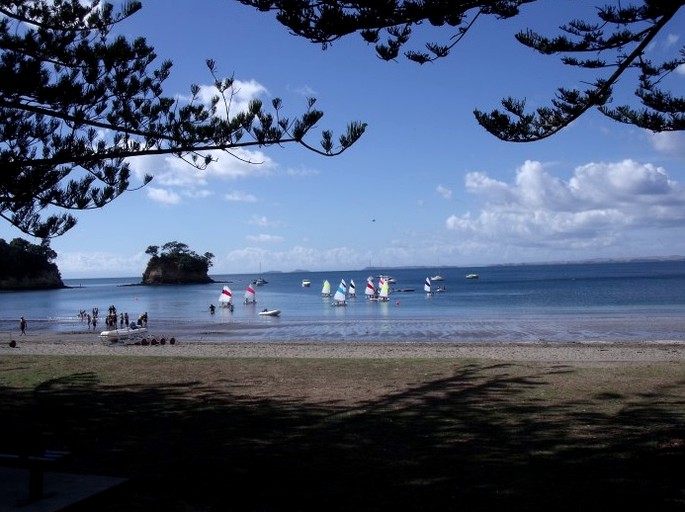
(340, 294)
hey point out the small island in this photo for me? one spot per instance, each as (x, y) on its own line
(27, 266)
(176, 264)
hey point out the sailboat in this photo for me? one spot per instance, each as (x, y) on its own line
(250, 296)
(260, 281)
(352, 290)
(370, 290)
(226, 298)
(340, 294)
(384, 294)
(427, 287)
(326, 290)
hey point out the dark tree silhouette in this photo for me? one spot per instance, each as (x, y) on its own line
(612, 45)
(76, 104)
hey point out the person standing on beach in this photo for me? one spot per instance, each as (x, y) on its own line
(22, 326)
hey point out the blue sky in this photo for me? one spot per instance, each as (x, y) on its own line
(424, 186)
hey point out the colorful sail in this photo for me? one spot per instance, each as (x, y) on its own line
(250, 296)
(326, 290)
(340, 294)
(384, 294)
(370, 290)
(226, 297)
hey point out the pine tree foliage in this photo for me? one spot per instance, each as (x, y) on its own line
(614, 46)
(77, 103)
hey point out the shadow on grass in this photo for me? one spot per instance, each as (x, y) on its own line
(476, 440)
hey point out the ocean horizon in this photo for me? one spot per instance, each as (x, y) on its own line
(577, 302)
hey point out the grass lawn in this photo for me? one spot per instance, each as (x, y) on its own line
(338, 434)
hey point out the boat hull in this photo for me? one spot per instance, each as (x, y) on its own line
(116, 334)
(270, 312)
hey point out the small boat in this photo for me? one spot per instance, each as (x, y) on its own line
(270, 312)
(387, 279)
(306, 283)
(437, 277)
(119, 334)
(326, 290)
(226, 298)
(352, 290)
(340, 295)
(427, 287)
(260, 281)
(370, 290)
(384, 294)
(250, 296)
(472, 276)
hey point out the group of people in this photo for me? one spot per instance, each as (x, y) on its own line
(111, 319)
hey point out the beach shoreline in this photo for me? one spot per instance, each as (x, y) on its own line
(87, 343)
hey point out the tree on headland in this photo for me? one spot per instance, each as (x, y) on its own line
(28, 266)
(176, 264)
(613, 45)
(77, 103)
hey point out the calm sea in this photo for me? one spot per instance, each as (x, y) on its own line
(529, 303)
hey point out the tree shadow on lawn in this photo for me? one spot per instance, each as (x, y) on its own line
(476, 440)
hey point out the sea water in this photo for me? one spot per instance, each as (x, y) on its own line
(526, 303)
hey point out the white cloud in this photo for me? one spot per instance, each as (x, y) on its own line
(237, 163)
(162, 195)
(171, 171)
(87, 264)
(680, 69)
(671, 40)
(264, 238)
(263, 221)
(302, 172)
(671, 143)
(444, 192)
(242, 197)
(599, 204)
(238, 97)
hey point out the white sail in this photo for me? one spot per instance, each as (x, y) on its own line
(250, 296)
(340, 294)
(370, 290)
(326, 290)
(385, 292)
(352, 291)
(427, 286)
(226, 297)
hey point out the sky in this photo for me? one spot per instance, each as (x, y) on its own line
(425, 185)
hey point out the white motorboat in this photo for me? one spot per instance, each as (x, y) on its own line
(123, 333)
(306, 283)
(270, 312)
(472, 276)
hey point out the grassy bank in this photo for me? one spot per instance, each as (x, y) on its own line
(339, 434)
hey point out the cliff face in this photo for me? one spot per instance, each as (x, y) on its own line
(44, 280)
(169, 273)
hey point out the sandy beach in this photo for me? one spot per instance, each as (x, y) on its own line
(84, 343)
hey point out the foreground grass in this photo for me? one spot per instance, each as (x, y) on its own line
(301, 434)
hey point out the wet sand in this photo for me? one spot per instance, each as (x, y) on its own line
(88, 343)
